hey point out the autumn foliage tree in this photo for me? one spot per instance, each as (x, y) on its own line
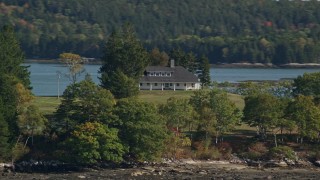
(93, 142)
(74, 62)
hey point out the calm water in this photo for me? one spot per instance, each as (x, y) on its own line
(44, 77)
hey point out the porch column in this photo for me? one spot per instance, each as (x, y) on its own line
(174, 86)
(161, 86)
(150, 86)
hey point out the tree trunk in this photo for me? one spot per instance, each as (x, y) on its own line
(275, 140)
(217, 136)
(25, 144)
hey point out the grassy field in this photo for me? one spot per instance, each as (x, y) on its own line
(48, 105)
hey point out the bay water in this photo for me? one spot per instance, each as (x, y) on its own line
(49, 79)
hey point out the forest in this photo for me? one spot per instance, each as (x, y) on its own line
(225, 31)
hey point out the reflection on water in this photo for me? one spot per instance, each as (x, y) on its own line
(44, 77)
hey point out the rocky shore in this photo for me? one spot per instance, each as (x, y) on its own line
(185, 169)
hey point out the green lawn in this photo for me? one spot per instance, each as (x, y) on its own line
(48, 105)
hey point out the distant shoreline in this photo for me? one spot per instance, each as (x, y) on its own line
(260, 65)
(221, 65)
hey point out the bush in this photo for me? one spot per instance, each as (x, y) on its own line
(177, 147)
(256, 151)
(225, 149)
(209, 154)
(282, 152)
(18, 151)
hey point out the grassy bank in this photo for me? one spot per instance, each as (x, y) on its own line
(48, 105)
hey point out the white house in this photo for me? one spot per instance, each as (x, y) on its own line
(168, 78)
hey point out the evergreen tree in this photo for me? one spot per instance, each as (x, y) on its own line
(125, 54)
(204, 75)
(11, 56)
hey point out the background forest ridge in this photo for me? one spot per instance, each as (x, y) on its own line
(264, 31)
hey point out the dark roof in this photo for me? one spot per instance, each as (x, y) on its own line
(180, 74)
(159, 68)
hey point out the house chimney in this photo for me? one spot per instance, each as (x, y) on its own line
(172, 63)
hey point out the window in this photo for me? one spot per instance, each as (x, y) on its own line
(192, 84)
(157, 74)
(141, 84)
(170, 84)
(185, 84)
(151, 74)
(162, 74)
(178, 84)
(148, 84)
(155, 84)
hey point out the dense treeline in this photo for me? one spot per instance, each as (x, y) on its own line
(93, 125)
(264, 31)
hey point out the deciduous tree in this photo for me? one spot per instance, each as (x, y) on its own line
(263, 111)
(74, 62)
(306, 115)
(93, 142)
(143, 130)
(84, 101)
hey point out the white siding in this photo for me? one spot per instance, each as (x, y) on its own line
(169, 86)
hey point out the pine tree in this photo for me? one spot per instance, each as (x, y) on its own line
(11, 57)
(204, 67)
(124, 53)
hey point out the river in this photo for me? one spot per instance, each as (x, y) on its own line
(46, 82)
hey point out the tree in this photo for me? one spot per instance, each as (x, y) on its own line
(11, 57)
(93, 142)
(263, 111)
(74, 62)
(31, 122)
(204, 75)
(158, 58)
(142, 129)
(178, 113)
(306, 115)
(124, 54)
(122, 85)
(84, 101)
(217, 113)
(308, 84)
(226, 113)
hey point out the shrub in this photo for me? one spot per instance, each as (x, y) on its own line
(256, 151)
(225, 149)
(282, 152)
(177, 147)
(18, 151)
(209, 154)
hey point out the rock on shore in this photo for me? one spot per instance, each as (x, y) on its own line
(187, 169)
